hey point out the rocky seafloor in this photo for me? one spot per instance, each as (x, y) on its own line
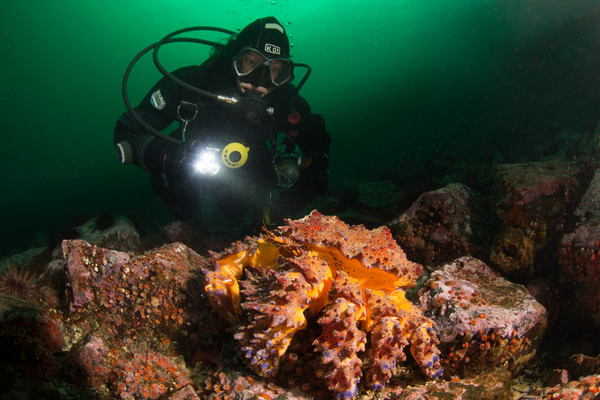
(513, 289)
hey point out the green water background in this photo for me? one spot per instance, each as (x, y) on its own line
(399, 83)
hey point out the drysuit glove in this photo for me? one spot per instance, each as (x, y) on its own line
(175, 164)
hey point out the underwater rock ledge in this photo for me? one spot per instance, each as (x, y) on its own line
(140, 325)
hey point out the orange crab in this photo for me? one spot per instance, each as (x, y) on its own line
(352, 277)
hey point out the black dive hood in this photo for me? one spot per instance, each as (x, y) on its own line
(250, 105)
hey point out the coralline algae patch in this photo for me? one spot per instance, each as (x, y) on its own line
(580, 257)
(141, 373)
(586, 388)
(580, 264)
(134, 317)
(440, 225)
(482, 320)
(28, 342)
(149, 292)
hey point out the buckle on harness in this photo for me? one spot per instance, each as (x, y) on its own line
(186, 112)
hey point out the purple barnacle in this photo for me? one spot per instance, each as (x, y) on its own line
(435, 358)
(278, 319)
(386, 366)
(378, 386)
(429, 364)
(265, 367)
(347, 395)
(328, 355)
(438, 373)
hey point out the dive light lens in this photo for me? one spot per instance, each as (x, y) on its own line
(207, 162)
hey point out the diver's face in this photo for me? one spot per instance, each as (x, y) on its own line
(251, 59)
(248, 62)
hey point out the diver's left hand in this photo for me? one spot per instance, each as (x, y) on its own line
(287, 172)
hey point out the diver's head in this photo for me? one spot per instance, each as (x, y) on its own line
(261, 55)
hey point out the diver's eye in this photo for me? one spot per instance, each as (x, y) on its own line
(275, 68)
(250, 60)
(248, 64)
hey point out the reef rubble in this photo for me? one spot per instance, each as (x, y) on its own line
(109, 314)
(483, 321)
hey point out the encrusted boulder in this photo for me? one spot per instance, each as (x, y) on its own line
(489, 386)
(135, 317)
(580, 255)
(182, 232)
(581, 365)
(536, 201)
(372, 203)
(482, 320)
(441, 225)
(187, 393)
(584, 388)
(29, 340)
(110, 231)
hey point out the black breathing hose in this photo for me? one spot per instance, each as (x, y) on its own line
(169, 39)
(156, 46)
(305, 77)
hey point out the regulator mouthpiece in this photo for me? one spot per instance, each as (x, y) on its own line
(252, 106)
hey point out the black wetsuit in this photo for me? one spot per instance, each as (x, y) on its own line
(215, 123)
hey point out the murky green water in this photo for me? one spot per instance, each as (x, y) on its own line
(401, 84)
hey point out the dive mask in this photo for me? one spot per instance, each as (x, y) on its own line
(253, 67)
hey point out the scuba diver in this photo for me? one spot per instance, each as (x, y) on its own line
(244, 138)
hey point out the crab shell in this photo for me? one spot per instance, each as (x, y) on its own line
(353, 278)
